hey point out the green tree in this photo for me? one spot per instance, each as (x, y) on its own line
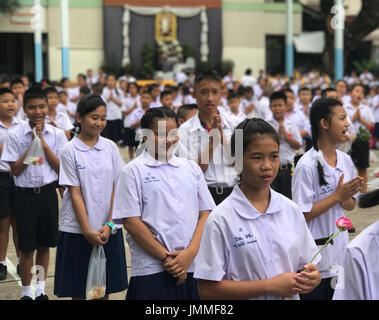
(9, 6)
(366, 21)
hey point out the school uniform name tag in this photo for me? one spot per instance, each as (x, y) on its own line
(150, 178)
(243, 239)
(326, 189)
(79, 166)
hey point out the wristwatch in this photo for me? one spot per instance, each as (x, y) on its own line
(112, 226)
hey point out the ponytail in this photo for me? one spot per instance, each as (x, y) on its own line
(321, 109)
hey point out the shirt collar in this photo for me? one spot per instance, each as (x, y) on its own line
(80, 145)
(246, 210)
(149, 161)
(14, 121)
(196, 123)
(330, 171)
(46, 128)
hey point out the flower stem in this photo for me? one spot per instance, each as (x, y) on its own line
(327, 242)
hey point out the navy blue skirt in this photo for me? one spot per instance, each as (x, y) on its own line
(72, 261)
(162, 286)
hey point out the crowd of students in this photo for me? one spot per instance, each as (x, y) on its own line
(197, 225)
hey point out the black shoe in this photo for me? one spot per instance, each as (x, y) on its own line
(26, 298)
(18, 270)
(3, 272)
(42, 297)
(352, 230)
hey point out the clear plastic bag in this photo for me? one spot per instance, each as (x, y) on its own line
(96, 278)
(36, 155)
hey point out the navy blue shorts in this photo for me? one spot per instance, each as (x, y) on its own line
(376, 130)
(162, 286)
(72, 260)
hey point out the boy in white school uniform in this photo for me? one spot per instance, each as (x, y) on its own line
(206, 135)
(234, 103)
(8, 121)
(362, 119)
(290, 142)
(36, 202)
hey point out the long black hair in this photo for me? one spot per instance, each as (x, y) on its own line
(321, 109)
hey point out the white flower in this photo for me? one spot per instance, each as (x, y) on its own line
(317, 156)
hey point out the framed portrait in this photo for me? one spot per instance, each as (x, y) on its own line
(165, 27)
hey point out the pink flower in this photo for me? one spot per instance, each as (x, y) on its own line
(344, 224)
(40, 160)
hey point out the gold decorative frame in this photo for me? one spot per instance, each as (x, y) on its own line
(171, 24)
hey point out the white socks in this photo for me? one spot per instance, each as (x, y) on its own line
(40, 289)
(27, 291)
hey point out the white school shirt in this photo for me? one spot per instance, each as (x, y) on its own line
(237, 119)
(375, 108)
(62, 120)
(15, 146)
(300, 120)
(229, 81)
(365, 112)
(360, 267)
(167, 197)
(4, 132)
(61, 108)
(113, 110)
(248, 81)
(128, 103)
(241, 244)
(135, 116)
(94, 170)
(73, 93)
(286, 152)
(245, 103)
(193, 139)
(306, 191)
(263, 108)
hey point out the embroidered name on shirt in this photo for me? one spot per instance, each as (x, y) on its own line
(150, 178)
(79, 166)
(326, 189)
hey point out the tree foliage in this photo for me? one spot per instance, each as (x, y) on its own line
(355, 30)
(9, 6)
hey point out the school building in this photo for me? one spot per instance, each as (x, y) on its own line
(251, 33)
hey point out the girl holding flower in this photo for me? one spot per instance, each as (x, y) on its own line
(256, 240)
(324, 185)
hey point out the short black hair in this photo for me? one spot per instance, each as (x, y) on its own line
(165, 93)
(50, 90)
(326, 90)
(34, 93)
(184, 109)
(278, 95)
(84, 90)
(5, 91)
(16, 81)
(233, 95)
(208, 77)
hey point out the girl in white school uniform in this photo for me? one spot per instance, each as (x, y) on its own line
(113, 99)
(163, 202)
(360, 262)
(89, 167)
(256, 244)
(323, 185)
